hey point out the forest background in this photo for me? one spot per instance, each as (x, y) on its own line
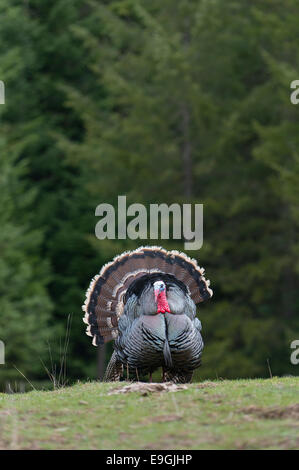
(185, 102)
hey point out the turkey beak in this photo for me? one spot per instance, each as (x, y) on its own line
(157, 292)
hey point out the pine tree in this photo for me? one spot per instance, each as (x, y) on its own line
(162, 102)
(24, 302)
(39, 55)
(187, 88)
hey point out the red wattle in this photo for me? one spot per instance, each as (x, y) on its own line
(162, 304)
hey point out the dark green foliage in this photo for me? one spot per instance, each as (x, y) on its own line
(163, 102)
(24, 302)
(39, 54)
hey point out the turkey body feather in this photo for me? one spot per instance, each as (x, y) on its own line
(153, 317)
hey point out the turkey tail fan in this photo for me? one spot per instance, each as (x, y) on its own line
(105, 297)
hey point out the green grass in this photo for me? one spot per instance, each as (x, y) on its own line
(239, 414)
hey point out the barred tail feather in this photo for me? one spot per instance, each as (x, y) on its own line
(106, 295)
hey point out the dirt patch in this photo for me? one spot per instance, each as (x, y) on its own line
(256, 444)
(183, 442)
(206, 385)
(273, 412)
(124, 436)
(4, 444)
(170, 442)
(162, 419)
(145, 388)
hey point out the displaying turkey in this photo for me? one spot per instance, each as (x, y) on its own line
(146, 301)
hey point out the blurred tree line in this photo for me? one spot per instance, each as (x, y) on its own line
(184, 102)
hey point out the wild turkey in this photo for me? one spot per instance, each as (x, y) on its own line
(146, 301)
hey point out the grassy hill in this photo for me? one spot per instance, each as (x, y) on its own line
(240, 414)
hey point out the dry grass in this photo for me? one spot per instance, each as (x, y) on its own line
(239, 414)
